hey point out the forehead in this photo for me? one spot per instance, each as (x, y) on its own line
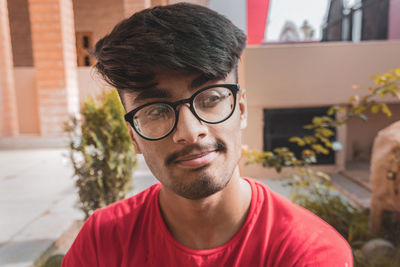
(170, 86)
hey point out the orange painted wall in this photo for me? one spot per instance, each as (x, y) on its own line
(8, 104)
(28, 114)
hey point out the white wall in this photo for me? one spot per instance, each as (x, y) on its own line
(234, 10)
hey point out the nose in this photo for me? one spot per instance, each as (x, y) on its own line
(189, 129)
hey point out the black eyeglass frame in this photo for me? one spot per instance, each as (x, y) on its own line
(234, 88)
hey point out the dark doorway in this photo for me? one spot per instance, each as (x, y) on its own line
(281, 124)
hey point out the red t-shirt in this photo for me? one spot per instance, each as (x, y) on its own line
(276, 232)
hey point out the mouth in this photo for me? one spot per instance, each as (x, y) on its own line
(196, 155)
(198, 159)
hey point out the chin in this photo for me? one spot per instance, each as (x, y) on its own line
(202, 186)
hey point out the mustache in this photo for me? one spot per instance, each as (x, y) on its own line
(217, 146)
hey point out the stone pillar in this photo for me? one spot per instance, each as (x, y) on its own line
(54, 54)
(8, 103)
(133, 6)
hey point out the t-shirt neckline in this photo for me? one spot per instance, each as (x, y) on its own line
(233, 240)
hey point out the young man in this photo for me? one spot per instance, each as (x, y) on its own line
(175, 68)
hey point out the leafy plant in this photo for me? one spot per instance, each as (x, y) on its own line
(391, 227)
(313, 191)
(101, 152)
(361, 261)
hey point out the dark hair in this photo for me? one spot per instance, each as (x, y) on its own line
(186, 38)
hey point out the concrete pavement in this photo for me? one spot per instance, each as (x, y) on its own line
(37, 198)
(37, 201)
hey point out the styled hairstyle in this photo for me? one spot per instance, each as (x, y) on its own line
(185, 38)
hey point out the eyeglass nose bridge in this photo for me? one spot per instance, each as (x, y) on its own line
(176, 104)
(180, 102)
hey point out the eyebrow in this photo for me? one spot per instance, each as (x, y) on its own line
(199, 81)
(153, 93)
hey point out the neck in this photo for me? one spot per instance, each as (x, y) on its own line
(210, 222)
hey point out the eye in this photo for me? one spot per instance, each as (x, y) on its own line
(211, 98)
(155, 112)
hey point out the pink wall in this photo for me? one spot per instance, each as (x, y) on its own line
(394, 20)
(306, 75)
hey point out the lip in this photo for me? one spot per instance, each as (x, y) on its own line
(197, 160)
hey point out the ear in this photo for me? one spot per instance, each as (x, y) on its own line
(243, 108)
(131, 134)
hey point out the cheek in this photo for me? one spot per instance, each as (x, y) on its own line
(233, 135)
(154, 161)
(238, 134)
(152, 154)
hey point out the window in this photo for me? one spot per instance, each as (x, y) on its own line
(281, 124)
(83, 46)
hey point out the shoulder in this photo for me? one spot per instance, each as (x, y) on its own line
(125, 210)
(105, 231)
(297, 234)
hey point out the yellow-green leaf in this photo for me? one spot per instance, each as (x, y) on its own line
(352, 99)
(323, 175)
(382, 93)
(386, 110)
(297, 140)
(375, 109)
(325, 132)
(331, 110)
(320, 149)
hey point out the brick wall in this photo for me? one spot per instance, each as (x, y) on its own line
(20, 33)
(53, 44)
(8, 106)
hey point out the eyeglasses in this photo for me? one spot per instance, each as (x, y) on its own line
(156, 120)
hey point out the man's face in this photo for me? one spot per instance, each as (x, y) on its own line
(197, 159)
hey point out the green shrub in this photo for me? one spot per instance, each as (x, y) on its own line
(54, 261)
(313, 191)
(101, 152)
(361, 261)
(390, 229)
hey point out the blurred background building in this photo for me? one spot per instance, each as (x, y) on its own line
(361, 20)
